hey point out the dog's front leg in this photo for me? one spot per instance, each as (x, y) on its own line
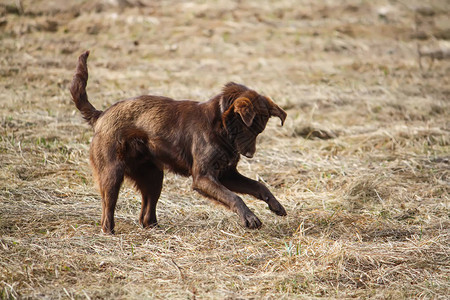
(210, 187)
(238, 183)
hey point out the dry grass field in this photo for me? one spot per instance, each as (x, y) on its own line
(362, 164)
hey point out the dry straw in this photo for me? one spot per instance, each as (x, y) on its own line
(362, 163)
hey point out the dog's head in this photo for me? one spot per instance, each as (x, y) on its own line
(245, 114)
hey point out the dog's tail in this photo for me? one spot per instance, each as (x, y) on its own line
(78, 91)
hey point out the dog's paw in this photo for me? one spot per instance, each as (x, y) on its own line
(108, 226)
(251, 221)
(149, 224)
(108, 231)
(277, 208)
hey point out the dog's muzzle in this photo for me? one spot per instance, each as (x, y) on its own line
(249, 154)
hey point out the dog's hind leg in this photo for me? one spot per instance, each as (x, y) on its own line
(110, 180)
(148, 179)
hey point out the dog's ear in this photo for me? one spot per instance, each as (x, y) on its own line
(244, 107)
(230, 92)
(276, 111)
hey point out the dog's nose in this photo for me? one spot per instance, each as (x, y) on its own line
(248, 154)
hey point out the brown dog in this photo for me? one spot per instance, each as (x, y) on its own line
(140, 137)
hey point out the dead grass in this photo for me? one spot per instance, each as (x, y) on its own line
(362, 163)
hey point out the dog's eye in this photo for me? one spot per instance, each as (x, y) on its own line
(258, 124)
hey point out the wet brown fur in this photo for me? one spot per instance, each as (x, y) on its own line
(141, 137)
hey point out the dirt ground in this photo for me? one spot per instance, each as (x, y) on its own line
(361, 165)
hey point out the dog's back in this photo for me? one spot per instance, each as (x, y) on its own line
(167, 127)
